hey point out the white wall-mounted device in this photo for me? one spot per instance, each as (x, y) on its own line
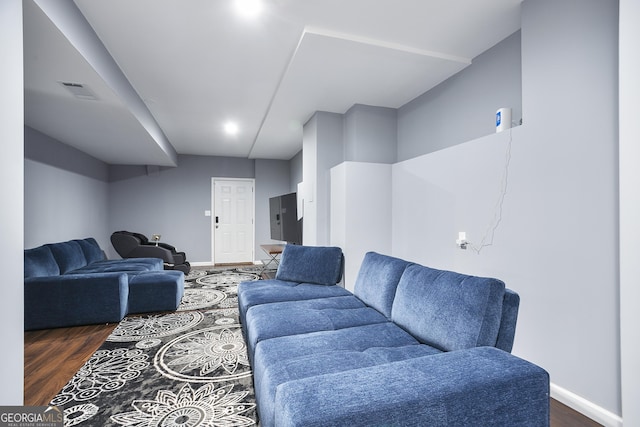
(503, 119)
(462, 240)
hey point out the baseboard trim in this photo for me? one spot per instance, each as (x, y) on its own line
(208, 263)
(200, 264)
(585, 407)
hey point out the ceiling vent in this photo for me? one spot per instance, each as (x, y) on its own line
(79, 90)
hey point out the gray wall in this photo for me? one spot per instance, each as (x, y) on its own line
(322, 149)
(556, 240)
(44, 149)
(273, 178)
(65, 195)
(11, 187)
(464, 106)
(364, 133)
(370, 134)
(172, 201)
(69, 194)
(295, 171)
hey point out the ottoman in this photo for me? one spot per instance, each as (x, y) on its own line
(155, 291)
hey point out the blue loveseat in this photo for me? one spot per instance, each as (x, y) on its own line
(72, 283)
(412, 346)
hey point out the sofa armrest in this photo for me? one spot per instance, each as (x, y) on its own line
(75, 299)
(507, 331)
(480, 386)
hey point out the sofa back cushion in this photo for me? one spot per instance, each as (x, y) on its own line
(448, 310)
(378, 279)
(39, 262)
(68, 255)
(91, 250)
(311, 264)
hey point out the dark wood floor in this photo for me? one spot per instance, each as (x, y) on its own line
(51, 357)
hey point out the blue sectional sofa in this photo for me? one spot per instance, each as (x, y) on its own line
(72, 283)
(412, 346)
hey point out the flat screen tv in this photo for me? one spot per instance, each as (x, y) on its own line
(283, 219)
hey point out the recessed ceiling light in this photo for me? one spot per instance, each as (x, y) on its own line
(231, 128)
(248, 8)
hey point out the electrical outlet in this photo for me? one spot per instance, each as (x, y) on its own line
(462, 240)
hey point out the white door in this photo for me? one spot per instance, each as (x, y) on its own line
(233, 211)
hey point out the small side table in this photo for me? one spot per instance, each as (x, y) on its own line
(274, 251)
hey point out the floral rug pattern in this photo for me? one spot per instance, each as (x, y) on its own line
(215, 289)
(187, 368)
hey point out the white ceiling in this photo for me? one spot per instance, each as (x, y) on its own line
(174, 71)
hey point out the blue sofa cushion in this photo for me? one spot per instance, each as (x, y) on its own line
(378, 279)
(72, 300)
(129, 265)
(68, 255)
(311, 264)
(273, 351)
(448, 310)
(155, 291)
(322, 364)
(476, 387)
(274, 290)
(91, 249)
(39, 262)
(342, 301)
(275, 320)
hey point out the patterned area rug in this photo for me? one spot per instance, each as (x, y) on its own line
(187, 368)
(208, 289)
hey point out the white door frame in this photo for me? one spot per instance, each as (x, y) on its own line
(213, 214)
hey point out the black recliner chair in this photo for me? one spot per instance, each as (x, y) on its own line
(136, 245)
